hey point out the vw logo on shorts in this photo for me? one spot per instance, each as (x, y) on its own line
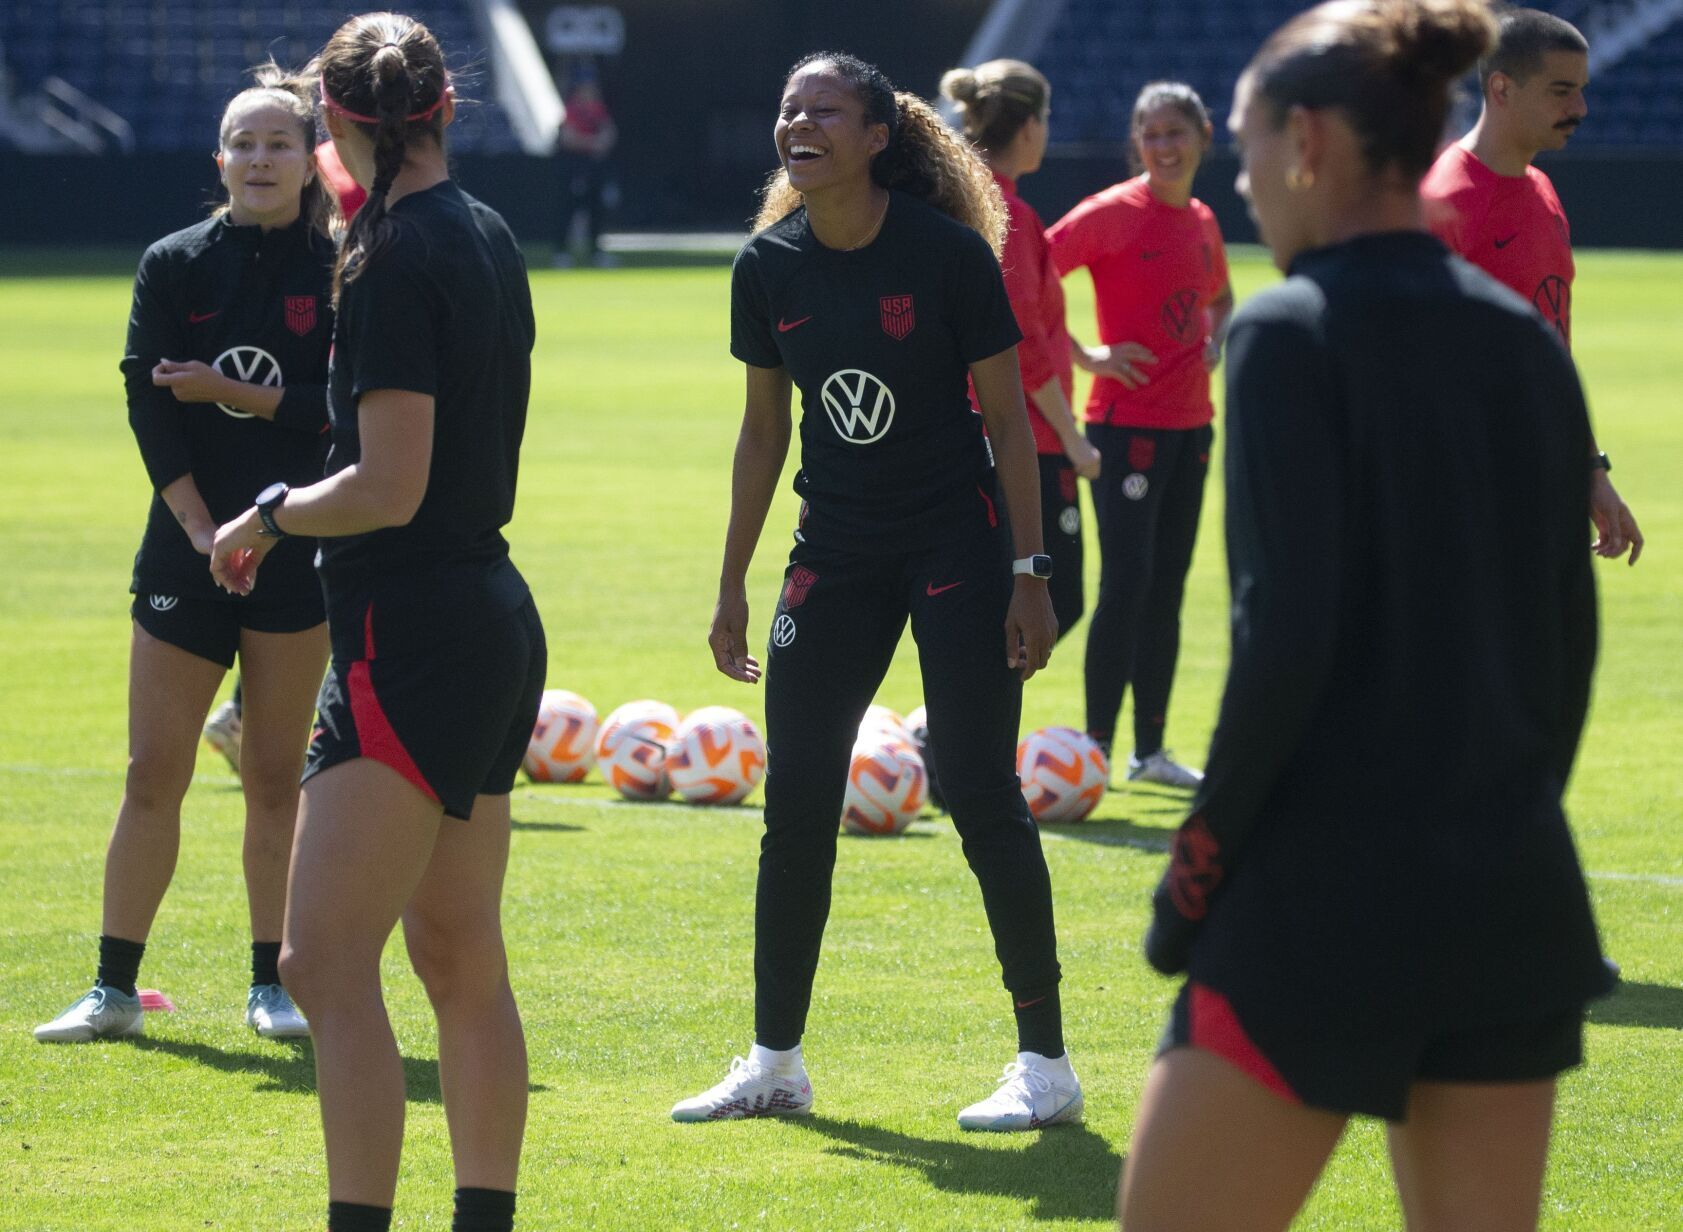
(1069, 521)
(250, 364)
(1135, 486)
(163, 603)
(783, 630)
(860, 406)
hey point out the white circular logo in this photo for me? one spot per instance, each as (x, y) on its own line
(163, 603)
(1069, 521)
(783, 630)
(250, 364)
(861, 407)
(1135, 486)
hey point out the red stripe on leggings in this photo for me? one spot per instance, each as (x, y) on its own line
(1216, 1028)
(374, 731)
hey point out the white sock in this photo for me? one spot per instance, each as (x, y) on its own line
(1055, 1065)
(774, 1062)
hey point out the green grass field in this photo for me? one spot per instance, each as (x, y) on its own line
(631, 926)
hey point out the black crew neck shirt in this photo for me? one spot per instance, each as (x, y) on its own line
(879, 341)
(257, 306)
(1414, 632)
(444, 310)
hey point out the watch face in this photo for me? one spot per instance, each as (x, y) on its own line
(1042, 566)
(271, 494)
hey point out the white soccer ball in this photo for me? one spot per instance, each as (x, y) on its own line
(1064, 774)
(882, 719)
(631, 749)
(886, 786)
(717, 756)
(563, 744)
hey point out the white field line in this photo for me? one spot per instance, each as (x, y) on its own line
(1137, 842)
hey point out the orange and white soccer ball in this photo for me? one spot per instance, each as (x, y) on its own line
(1064, 774)
(631, 749)
(717, 756)
(882, 719)
(886, 786)
(563, 744)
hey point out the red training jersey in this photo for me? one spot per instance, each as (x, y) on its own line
(1037, 300)
(1156, 269)
(1511, 226)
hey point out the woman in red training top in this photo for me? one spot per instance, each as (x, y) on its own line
(1004, 105)
(1160, 277)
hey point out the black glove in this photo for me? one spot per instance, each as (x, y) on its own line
(1182, 898)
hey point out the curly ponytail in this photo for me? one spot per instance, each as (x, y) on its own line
(383, 72)
(923, 157)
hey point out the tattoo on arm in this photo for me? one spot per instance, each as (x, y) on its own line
(181, 516)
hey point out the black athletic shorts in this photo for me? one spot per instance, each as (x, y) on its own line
(1368, 1075)
(453, 719)
(210, 628)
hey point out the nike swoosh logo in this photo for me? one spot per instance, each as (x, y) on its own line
(193, 318)
(932, 590)
(1023, 1005)
(1509, 240)
(784, 327)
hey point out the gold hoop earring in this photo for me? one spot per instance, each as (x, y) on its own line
(1299, 180)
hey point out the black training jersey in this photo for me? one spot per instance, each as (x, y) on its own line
(444, 310)
(1379, 834)
(879, 340)
(256, 306)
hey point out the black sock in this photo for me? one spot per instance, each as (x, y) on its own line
(1102, 739)
(119, 963)
(265, 962)
(239, 708)
(483, 1210)
(355, 1217)
(1040, 1022)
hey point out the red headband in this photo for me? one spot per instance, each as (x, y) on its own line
(338, 108)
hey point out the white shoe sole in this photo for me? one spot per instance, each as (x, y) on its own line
(1071, 1113)
(87, 1035)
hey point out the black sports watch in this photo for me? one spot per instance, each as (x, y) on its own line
(1039, 566)
(269, 500)
(1601, 462)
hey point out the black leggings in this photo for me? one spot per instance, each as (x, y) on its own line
(1060, 528)
(837, 624)
(1147, 502)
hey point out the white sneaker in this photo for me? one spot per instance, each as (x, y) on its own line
(1033, 1092)
(102, 1013)
(222, 732)
(1161, 767)
(270, 1013)
(749, 1090)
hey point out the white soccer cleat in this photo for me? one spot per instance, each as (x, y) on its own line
(269, 1012)
(1033, 1092)
(1161, 768)
(222, 732)
(102, 1013)
(749, 1090)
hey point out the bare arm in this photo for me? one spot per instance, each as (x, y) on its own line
(1219, 312)
(1054, 408)
(184, 501)
(383, 488)
(1030, 627)
(762, 445)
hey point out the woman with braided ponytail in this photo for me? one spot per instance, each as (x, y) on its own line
(872, 284)
(437, 651)
(1360, 938)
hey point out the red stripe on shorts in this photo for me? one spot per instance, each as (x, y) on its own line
(374, 731)
(1216, 1028)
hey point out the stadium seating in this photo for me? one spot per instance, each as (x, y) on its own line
(1101, 52)
(169, 66)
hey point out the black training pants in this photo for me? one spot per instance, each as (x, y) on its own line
(837, 624)
(1060, 529)
(1147, 502)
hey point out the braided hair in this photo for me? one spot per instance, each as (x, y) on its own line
(923, 157)
(384, 73)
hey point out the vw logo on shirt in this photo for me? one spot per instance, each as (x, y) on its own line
(860, 406)
(250, 364)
